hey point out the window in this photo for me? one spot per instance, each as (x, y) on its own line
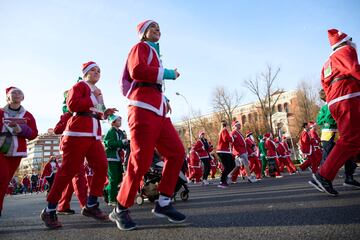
(48, 142)
(250, 117)
(55, 147)
(47, 147)
(256, 117)
(279, 107)
(38, 148)
(243, 119)
(286, 107)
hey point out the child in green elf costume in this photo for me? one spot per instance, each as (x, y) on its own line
(115, 143)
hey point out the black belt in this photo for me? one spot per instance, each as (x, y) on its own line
(342, 78)
(147, 84)
(7, 134)
(88, 114)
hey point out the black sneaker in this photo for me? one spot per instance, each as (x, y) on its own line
(170, 212)
(66, 212)
(50, 219)
(350, 182)
(122, 219)
(324, 184)
(315, 185)
(94, 212)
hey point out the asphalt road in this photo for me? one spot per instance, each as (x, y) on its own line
(286, 208)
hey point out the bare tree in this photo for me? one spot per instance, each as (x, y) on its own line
(262, 88)
(307, 103)
(225, 103)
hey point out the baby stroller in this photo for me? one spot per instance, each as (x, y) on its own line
(152, 178)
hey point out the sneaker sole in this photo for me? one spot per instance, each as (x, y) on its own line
(352, 186)
(321, 186)
(48, 226)
(160, 215)
(118, 224)
(316, 186)
(64, 213)
(92, 216)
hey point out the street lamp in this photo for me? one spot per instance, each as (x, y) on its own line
(189, 122)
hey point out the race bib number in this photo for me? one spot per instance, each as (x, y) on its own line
(327, 69)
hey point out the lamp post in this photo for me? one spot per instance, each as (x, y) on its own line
(189, 122)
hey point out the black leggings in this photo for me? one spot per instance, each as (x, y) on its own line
(228, 164)
(207, 167)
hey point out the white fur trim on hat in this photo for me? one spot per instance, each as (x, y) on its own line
(144, 27)
(89, 67)
(347, 38)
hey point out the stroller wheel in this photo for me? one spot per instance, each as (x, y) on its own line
(139, 200)
(184, 195)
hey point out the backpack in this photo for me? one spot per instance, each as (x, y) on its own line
(125, 81)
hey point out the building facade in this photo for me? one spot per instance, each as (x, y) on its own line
(251, 117)
(39, 151)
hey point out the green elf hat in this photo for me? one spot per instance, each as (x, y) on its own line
(112, 118)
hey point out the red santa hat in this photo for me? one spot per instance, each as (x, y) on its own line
(283, 137)
(235, 123)
(337, 37)
(88, 66)
(9, 89)
(312, 124)
(267, 135)
(141, 27)
(248, 133)
(276, 140)
(201, 133)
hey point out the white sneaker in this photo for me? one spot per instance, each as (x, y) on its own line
(205, 182)
(252, 179)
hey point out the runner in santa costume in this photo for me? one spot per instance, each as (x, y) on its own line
(224, 152)
(195, 166)
(214, 165)
(279, 161)
(16, 126)
(254, 162)
(240, 153)
(79, 182)
(316, 142)
(307, 148)
(271, 156)
(328, 137)
(82, 139)
(149, 128)
(203, 147)
(289, 164)
(284, 158)
(50, 170)
(340, 78)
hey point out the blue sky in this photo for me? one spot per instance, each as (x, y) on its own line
(213, 43)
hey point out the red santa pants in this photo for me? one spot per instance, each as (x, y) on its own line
(77, 185)
(195, 173)
(75, 150)
(286, 162)
(147, 131)
(255, 166)
(347, 116)
(7, 170)
(311, 161)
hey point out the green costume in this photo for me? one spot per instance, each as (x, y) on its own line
(114, 146)
(327, 123)
(262, 151)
